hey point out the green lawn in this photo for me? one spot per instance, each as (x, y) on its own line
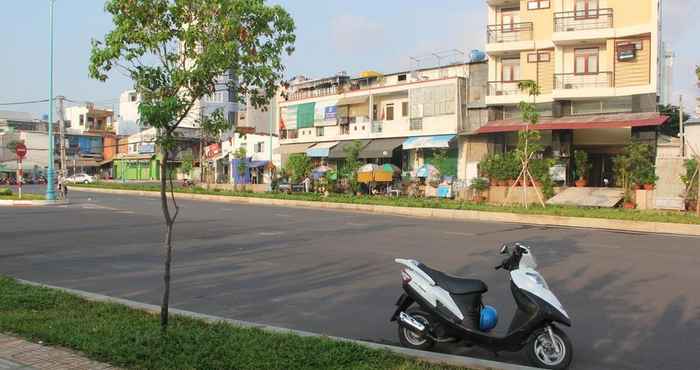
(131, 338)
(7, 194)
(604, 213)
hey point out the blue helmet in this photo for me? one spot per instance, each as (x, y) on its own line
(489, 318)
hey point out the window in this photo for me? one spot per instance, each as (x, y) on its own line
(389, 112)
(416, 124)
(508, 18)
(538, 4)
(319, 131)
(586, 9)
(538, 57)
(259, 147)
(132, 97)
(510, 70)
(82, 120)
(404, 109)
(402, 78)
(586, 61)
(345, 129)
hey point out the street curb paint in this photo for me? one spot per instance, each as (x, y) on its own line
(432, 357)
(31, 203)
(438, 213)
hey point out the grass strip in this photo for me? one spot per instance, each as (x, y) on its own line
(130, 338)
(565, 211)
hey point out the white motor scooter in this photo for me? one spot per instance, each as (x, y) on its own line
(450, 309)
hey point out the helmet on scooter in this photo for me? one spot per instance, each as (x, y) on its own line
(489, 318)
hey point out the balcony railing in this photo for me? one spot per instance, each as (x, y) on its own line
(573, 81)
(581, 20)
(504, 88)
(415, 124)
(315, 93)
(377, 127)
(498, 33)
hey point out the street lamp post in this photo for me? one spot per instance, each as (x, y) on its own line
(50, 193)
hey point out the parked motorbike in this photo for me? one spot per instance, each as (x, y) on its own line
(186, 183)
(436, 307)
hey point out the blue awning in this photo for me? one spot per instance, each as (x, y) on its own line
(420, 142)
(257, 164)
(320, 150)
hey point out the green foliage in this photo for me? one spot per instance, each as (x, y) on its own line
(175, 51)
(352, 164)
(672, 127)
(633, 166)
(12, 145)
(441, 160)
(582, 165)
(479, 184)
(187, 163)
(298, 166)
(130, 338)
(539, 169)
(5, 191)
(690, 182)
(241, 154)
(501, 167)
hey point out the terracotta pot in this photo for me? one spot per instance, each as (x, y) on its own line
(581, 183)
(636, 187)
(629, 205)
(648, 186)
(537, 184)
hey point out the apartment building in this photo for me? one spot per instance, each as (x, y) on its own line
(597, 65)
(400, 118)
(88, 118)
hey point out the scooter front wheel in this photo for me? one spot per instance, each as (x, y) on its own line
(550, 350)
(412, 340)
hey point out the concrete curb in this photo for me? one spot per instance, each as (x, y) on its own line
(31, 203)
(432, 357)
(447, 214)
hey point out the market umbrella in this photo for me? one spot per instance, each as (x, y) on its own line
(427, 170)
(365, 174)
(319, 172)
(388, 167)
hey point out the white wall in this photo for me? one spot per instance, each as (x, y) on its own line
(73, 114)
(128, 118)
(37, 150)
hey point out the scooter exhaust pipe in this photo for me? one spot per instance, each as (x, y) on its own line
(412, 324)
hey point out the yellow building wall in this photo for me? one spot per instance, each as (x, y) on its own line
(542, 72)
(631, 12)
(636, 72)
(542, 19)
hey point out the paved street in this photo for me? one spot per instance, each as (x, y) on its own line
(633, 298)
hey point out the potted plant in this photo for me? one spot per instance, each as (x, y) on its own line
(582, 167)
(648, 178)
(478, 186)
(628, 201)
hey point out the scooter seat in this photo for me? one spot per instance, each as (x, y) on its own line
(453, 284)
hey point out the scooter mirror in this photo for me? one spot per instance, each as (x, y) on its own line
(504, 249)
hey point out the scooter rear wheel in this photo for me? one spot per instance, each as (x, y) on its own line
(547, 355)
(412, 340)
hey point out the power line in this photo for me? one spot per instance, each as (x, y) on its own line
(26, 102)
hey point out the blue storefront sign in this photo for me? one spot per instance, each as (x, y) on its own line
(330, 113)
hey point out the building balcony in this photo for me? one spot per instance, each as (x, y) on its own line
(504, 92)
(572, 85)
(502, 38)
(573, 26)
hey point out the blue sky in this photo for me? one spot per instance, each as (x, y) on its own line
(332, 36)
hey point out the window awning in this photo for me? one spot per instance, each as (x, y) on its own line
(289, 149)
(338, 151)
(421, 142)
(320, 149)
(618, 120)
(257, 164)
(381, 148)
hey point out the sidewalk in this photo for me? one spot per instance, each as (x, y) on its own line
(16, 354)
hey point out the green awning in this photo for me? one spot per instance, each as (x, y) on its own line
(306, 115)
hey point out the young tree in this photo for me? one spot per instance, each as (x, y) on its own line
(175, 52)
(297, 167)
(673, 126)
(352, 164)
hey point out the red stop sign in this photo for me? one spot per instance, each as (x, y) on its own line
(21, 150)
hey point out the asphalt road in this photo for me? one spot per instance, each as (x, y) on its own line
(633, 298)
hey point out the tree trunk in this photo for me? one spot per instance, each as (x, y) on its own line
(168, 241)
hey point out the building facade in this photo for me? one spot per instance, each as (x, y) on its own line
(87, 118)
(596, 63)
(401, 118)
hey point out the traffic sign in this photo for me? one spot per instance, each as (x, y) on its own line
(20, 150)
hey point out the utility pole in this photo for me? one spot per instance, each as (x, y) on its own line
(62, 144)
(50, 192)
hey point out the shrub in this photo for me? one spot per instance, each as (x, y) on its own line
(582, 165)
(6, 191)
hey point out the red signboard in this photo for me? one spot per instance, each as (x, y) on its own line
(21, 150)
(212, 151)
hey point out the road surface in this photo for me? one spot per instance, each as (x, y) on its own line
(633, 298)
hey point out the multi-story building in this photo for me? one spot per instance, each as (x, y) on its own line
(596, 63)
(400, 118)
(87, 118)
